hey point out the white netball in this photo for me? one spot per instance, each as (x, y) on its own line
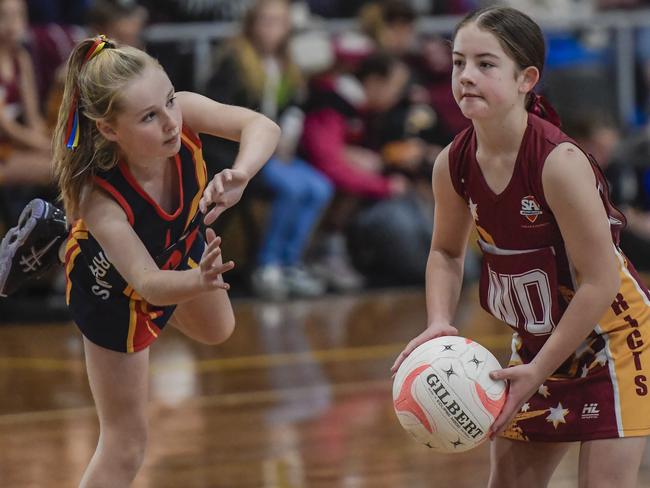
(443, 394)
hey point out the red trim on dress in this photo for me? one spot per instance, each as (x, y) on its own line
(105, 185)
(124, 169)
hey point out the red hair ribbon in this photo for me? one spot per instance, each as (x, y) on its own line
(541, 107)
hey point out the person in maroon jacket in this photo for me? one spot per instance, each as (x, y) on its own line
(552, 269)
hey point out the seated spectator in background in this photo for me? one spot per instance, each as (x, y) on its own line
(432, 69)
(626, 164)
(391, 25)
(121, 20)
(256, 71)
(24, 140)
(335, 141)
(629, 176)
(408, 138)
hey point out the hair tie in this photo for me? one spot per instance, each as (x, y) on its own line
(541, 107)
(72, 128)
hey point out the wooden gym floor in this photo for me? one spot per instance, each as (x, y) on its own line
(300, 396)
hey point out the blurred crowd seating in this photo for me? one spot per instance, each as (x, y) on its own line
(361, 89)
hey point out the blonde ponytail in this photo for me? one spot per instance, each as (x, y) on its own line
(95, 77)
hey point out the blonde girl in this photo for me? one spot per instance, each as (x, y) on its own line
(132, 178)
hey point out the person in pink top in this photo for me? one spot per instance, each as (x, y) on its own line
(335, 141)
(552, 269)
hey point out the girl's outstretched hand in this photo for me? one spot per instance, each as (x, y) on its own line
(523, 381)
(211, 267)
(224, 191)
(431, 332)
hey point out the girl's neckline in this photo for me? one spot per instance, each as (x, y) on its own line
(128, 175)
(498, 195)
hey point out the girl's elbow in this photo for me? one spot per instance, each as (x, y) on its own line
(273, 128)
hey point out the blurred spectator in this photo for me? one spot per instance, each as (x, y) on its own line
(50, 45)
(334, 138)
(120, 20)
(255, 70)
(629, 177)
(335, 127)
(432, 68)
(391, 25)
(24, 141)
(626, 164)
(25, 156)
(409, 139)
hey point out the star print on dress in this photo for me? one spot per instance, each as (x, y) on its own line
(473, 208)
(601, 358)
(515, 346)
(543, 390)
(557, 414)
(525, 407)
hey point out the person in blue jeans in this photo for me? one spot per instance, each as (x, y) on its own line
(255, 70)
(300, 196)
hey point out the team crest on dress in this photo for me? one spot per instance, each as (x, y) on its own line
(530, 208)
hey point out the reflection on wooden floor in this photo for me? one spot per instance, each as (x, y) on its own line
(299, 397)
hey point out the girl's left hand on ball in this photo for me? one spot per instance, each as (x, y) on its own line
(523, 381)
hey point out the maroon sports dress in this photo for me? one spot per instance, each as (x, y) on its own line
(527, 281)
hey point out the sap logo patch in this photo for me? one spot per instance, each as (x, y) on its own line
(530, 208)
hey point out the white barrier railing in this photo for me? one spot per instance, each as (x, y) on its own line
(621, 24)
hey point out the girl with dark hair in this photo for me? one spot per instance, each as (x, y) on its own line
(552, 269)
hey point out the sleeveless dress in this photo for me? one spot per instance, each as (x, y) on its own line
(104, 306)
(527, 281)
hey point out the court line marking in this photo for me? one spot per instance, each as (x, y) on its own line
(235, 399)
(228, 364)
(333, 355)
